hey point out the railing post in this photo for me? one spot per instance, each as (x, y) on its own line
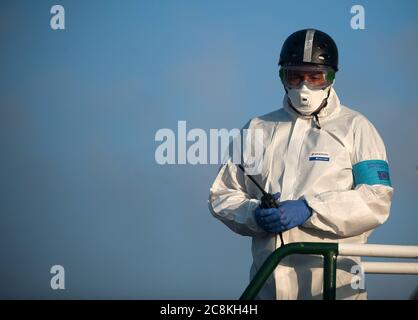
(328, 250)
(330, 273)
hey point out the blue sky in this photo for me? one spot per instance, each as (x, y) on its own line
(79, 109)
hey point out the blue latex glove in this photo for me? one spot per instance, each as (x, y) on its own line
(290, 214)
(268, 219)
(294, 213)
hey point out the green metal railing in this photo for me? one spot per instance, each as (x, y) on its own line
(328, 250)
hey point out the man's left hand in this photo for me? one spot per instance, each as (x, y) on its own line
(294, 213)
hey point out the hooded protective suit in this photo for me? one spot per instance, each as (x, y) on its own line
(305, 161)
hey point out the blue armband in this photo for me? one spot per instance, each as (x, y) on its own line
(371, 172)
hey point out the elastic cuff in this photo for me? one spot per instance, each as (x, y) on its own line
(312, 217)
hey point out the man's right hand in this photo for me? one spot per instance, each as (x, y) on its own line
(269, 218)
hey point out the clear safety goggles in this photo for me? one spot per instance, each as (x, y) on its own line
(314, 76)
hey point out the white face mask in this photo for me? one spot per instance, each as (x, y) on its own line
(306, 100)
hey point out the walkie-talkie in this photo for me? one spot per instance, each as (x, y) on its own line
(267, 200)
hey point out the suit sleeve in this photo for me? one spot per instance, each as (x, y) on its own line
(230, 202)
(365, 207)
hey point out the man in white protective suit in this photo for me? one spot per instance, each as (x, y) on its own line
(326, 165)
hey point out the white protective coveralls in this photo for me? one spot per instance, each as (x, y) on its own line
(341, 210)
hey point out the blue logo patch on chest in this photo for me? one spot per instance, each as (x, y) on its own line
(319, 156)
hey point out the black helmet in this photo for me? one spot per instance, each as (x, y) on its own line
(309, 46)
